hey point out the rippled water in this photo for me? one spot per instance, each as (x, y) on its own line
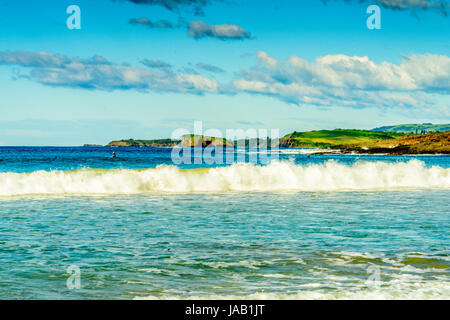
(235, 244)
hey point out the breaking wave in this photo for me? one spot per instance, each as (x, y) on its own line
(275, 177)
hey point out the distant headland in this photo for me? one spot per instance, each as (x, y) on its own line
(401, 139)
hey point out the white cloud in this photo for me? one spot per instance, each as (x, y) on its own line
(332, 80)
(98, 73)
(348, 81)
(198, 82)
(199, 29)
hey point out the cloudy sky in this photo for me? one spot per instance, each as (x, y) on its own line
(142, 68)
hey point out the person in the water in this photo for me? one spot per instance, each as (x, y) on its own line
(114, 155)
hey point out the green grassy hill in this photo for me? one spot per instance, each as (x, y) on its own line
(415, 128)
(329, 138)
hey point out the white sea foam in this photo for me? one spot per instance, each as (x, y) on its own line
(275, 177)
(433, 290)
(404, 287)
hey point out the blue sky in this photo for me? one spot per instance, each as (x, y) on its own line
(292, 65)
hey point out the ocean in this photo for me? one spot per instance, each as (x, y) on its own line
(78, 224)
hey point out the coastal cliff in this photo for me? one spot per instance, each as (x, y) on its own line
(186, 141)
(204, 141)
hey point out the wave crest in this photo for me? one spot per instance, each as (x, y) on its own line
(275, 177)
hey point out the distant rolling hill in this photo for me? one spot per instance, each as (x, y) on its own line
(329, 138)
(415, 128)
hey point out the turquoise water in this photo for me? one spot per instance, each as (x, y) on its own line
(300, 228)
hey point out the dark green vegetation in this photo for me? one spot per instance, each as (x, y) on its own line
(415, 128)
(144, 143)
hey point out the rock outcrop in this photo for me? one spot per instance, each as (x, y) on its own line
(203, 142)
(438, 143)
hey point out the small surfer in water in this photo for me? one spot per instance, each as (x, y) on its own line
(114, 155)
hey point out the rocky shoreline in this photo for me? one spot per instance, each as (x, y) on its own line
(437, 143)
